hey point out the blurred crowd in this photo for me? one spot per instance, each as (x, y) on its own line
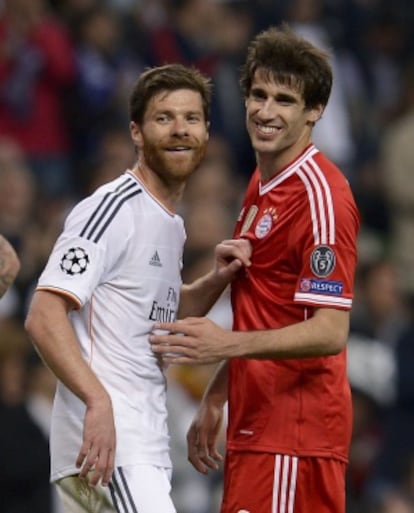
(66, 68)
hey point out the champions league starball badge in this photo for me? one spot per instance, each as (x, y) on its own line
(74, 261)
(322, 261)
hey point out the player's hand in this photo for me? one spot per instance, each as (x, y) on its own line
(194, 340)
(230, 256)
(97, 454)
(202, 438)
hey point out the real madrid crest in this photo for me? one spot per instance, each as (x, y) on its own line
(265, 223)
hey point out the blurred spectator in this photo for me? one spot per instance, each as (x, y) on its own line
(36, 69)
(106, 72)
(231, 31)
(29, 224)
(113, 155)
(374, 207)
(376, 370)
(380, 310)
(24, 462)
(17, 205)
(365, 445)
(398, 157)
(394, 466)
(18, 191)
(215, 182)
(333, 134)
(185, 36)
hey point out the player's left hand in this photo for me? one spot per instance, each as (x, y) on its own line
(194, 340)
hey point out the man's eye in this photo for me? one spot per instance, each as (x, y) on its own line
(258, 96)
(194, 119)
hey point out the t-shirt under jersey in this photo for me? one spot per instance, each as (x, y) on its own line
(303, 226)
(119, 258)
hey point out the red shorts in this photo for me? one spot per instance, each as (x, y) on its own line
(257, 482)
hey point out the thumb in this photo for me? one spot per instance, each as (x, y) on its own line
(232, 267)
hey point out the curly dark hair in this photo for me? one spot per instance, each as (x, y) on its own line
(288, 59)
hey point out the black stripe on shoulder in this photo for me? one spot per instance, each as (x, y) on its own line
(113, 213)
(107, 208)
(102, 203)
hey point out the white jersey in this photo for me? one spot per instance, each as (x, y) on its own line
(119, 259)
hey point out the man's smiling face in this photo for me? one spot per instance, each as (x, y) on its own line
(173, 137)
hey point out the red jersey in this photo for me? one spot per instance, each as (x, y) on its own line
(303, 227)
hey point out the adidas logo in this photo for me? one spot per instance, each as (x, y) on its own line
(155, 260)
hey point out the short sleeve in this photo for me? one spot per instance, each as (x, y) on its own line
(327, 251)
(86, 252)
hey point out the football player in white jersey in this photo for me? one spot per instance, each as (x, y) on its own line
(114, 271)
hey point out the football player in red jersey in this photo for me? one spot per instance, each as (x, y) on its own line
(283, 369)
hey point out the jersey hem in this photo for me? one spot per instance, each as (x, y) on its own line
(74, 471)
(300, 453)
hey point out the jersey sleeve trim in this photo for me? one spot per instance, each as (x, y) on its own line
(107, 209)
(320, 202)
(323, 300)
(64, 293)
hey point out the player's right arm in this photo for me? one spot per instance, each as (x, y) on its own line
(52, 334)
(9, 265)
(204, 431)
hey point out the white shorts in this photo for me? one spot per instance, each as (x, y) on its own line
(133, 489)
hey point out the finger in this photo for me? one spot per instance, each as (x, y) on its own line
(180, 326)
(232, 267)
(214, 454)
(196, 462)
(181, 360)
(85, 469)
(170, 345)
(82, 455)
(102, 469)
(109, 469)
(192, 450)
(200, 460)
(205, 456)
(88, 464)
(166, 343)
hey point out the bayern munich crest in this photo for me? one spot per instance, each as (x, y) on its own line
(74, 261)
(265, 223)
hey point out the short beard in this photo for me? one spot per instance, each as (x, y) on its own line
(172, 172)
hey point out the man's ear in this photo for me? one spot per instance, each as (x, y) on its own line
(136, 134)
(315, 113)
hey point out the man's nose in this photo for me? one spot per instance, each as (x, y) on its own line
(268, 109)
(180, 127)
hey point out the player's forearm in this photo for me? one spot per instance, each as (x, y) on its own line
(324, 334)
(197, 298)
(52, 335)
(217, 389)
(9, 265)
